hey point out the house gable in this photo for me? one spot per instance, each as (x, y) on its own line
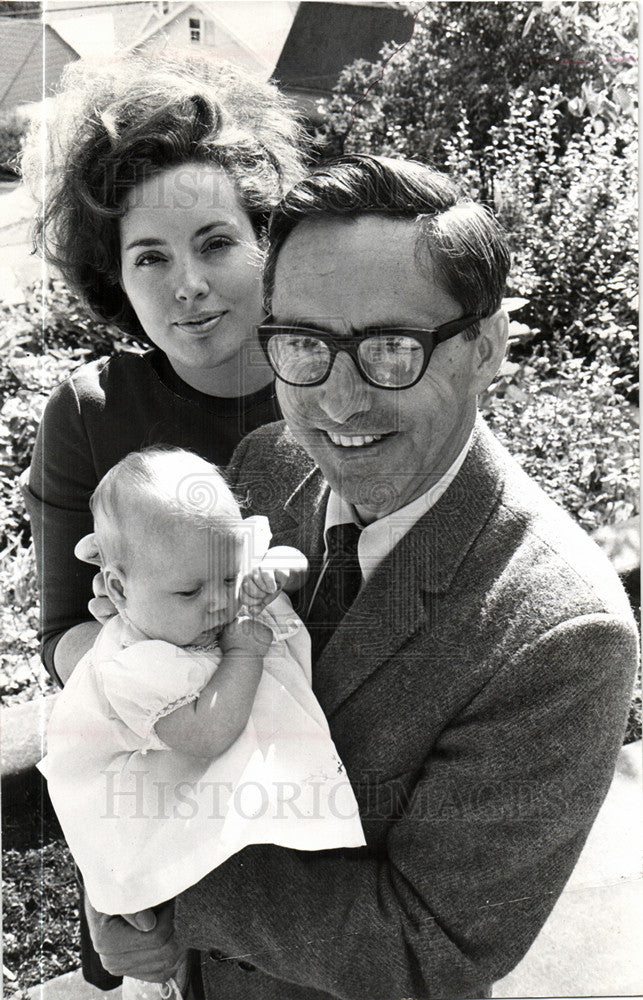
(24, 76)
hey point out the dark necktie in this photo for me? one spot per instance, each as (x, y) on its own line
(338, 586)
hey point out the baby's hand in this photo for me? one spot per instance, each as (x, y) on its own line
(246, 635)
(282, 568)
(260, 586)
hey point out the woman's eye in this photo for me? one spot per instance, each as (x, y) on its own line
(216, 243)
(148, 258)
(230, 581)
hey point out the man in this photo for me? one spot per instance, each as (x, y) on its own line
(477, 685)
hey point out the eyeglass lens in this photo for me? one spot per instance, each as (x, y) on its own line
(393, 360)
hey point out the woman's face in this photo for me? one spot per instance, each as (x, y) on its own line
(191, 269)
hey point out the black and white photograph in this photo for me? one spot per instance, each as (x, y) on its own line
(320, 667)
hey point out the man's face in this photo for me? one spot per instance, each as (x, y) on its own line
(378, 448)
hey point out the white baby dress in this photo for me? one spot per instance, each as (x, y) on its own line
(144, 821)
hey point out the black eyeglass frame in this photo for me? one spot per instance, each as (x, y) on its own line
(428, 339)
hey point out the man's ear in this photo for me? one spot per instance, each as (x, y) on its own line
(114, 579)
(491, 344)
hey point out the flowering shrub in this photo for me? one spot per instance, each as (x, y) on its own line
(572, 221)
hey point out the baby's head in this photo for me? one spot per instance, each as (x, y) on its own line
(170, 537)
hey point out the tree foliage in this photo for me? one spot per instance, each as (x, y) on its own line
(473, 57)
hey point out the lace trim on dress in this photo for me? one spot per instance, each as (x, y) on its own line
(186, 699)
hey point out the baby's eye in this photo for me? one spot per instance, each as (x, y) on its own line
(188, 593)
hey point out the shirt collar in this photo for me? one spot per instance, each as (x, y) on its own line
(378, 539)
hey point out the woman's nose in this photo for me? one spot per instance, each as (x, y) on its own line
(191, 282)
(344, 393)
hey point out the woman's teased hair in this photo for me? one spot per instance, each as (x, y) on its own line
(115, 125)
(457, 237)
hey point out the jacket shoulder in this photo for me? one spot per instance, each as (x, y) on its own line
(267, 451)
(548, 557)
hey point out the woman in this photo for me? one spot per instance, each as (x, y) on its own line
(160, 178)
(160, 175)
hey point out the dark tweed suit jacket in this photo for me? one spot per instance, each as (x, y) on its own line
(477, 692)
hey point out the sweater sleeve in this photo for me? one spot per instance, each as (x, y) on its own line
(474, 863)
(61, 480)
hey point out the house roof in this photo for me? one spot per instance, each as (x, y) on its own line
(327, 36)
(23, 73)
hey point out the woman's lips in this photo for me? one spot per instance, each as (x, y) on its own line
(200, 324)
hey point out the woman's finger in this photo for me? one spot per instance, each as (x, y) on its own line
(98, 585)
(153, 955)
(143, 920)
(87, 550)
(102, 609)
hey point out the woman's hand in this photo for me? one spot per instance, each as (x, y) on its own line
(141, 945)
(100, 606)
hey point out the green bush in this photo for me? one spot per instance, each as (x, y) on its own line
(476, 56)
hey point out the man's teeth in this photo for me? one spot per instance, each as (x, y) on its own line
(355, 441)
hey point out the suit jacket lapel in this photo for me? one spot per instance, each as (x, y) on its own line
(301, 523)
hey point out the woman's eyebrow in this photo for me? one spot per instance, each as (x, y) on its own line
(149, 241)
(213, 225)
(153, 241)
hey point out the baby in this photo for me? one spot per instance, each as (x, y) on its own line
(190, 729)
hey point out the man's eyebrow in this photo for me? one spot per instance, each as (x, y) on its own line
(347, 331)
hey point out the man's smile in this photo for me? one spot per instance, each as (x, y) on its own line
(355, 440)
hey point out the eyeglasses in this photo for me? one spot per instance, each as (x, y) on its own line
(386, 357)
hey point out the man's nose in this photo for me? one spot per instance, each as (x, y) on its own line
(191, 281)
(344, 393)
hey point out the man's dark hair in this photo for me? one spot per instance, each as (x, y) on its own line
(461, 239)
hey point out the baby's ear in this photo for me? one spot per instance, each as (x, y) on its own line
(114, 580)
